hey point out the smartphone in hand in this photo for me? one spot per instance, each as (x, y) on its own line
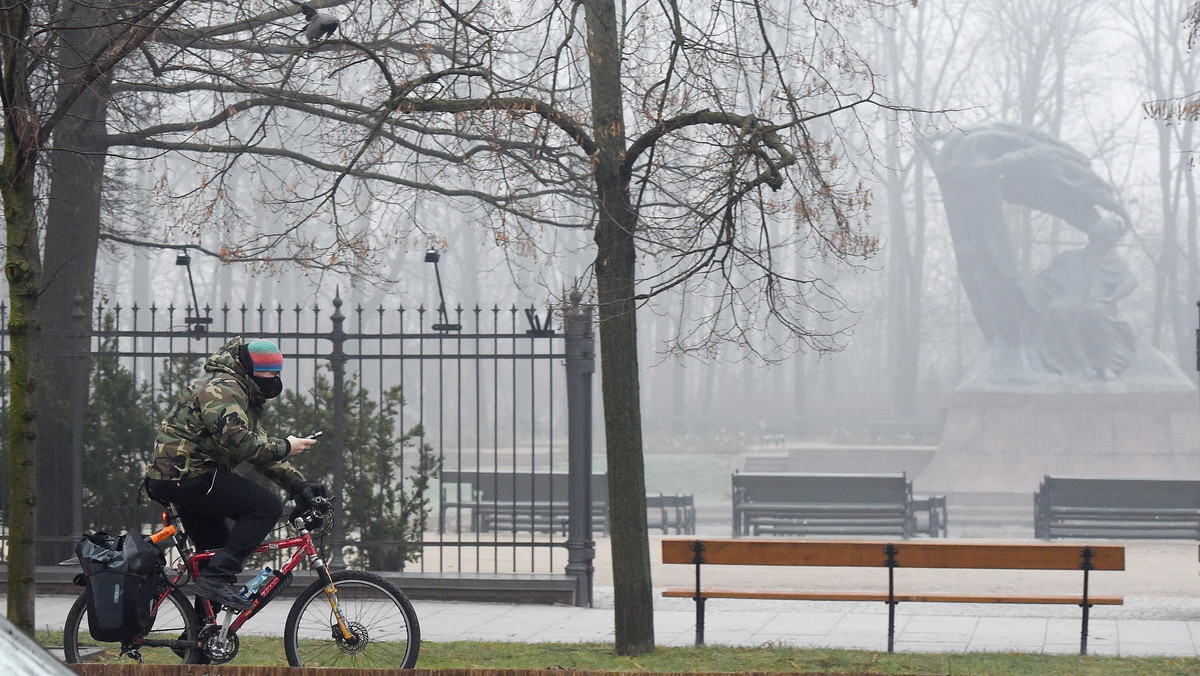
(315, 435)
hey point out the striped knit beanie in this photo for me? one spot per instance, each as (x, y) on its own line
(265, 355)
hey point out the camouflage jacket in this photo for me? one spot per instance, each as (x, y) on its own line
(217, 424)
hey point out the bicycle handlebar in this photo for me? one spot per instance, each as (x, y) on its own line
(316, 513)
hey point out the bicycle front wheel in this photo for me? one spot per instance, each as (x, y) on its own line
(380, 618)
(175, 619)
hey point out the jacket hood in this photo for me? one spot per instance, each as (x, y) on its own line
(227, 360)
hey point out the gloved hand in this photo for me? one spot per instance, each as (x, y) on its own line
(307, 490)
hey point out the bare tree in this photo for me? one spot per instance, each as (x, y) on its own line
(680, 135)
(1166, 31)
(33, 37)
(1036, 80)
(1187, 105)
(927, 53)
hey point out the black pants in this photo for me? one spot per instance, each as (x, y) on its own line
(205, 502)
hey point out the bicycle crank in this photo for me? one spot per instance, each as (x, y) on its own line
(218, 651)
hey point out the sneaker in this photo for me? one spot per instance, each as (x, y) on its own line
(222, 592)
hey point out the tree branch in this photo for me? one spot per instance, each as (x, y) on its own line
(514, 105)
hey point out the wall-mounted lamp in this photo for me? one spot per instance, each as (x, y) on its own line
(197, 325)
(432, 256)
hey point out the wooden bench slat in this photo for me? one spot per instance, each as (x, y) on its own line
(822, 506)
(772, 595)
(1070, 509)
(776, 553)
(869, 523)
(1003, 598)
(826, 517)
(818, 531)
(1126, 527)
(1004, 556)
(908, 554)
(933, 597)
(805, 529)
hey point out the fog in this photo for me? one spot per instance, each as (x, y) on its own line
(1076, 71)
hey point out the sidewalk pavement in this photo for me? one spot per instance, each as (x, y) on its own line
(1144, 626)
(1161, 615)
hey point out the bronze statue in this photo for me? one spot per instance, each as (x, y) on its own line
(1060, 327)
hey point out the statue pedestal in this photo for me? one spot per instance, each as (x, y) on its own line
(1006, 443)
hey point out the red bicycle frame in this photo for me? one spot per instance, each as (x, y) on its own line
(304, 547)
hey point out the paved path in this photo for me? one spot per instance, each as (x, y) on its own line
(1144, 626)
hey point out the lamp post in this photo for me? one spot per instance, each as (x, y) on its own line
(444, 324)
(197, 325)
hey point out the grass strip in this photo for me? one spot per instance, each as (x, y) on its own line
(774, 658)
(268, 651)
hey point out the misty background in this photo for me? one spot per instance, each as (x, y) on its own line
(902, 334)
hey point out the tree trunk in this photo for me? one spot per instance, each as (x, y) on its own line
(916, 280)
(72, 237)
(615, 259)
(23, 270)
(901, 355)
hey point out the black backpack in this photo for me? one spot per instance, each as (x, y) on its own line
(123, 578)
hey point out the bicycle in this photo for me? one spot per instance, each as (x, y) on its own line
(346, 618)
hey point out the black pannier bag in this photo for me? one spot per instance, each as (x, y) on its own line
(123, 578)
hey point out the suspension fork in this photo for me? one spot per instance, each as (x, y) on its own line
(331, 594)
(326, 578)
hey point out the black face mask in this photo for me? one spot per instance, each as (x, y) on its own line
(269, 387)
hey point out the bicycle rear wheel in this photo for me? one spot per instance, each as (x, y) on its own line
(380, 617)
(175, 619)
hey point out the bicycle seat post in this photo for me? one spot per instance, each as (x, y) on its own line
(181, 539)
(229, 615)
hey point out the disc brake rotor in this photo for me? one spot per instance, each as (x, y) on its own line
(357, 643)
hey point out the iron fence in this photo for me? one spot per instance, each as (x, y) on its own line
(505, 393)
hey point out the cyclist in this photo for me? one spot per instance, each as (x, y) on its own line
(215, 426)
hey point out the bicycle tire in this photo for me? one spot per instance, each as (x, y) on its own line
(375, 609)
(175, 616)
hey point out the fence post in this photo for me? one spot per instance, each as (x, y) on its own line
(580, 349)
(337, 364)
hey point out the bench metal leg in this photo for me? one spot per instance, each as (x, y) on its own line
(890, 550)
(1084, 633)
(891, 627)
(1086, 553)
(698, 560)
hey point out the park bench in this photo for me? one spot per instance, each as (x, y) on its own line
(940, 555)
(515, 501)
(794, 503)
(671, 511)
(1072, 507)
(936, 519)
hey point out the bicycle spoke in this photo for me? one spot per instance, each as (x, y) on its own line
(174, 617)
(377, 616)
